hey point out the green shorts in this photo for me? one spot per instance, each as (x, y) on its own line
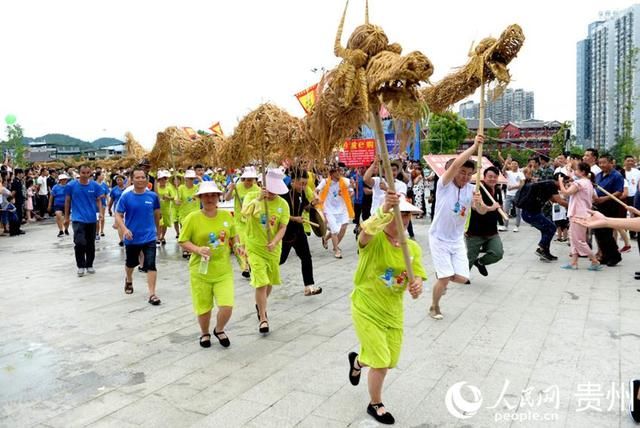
(379, 346)
(204, 291)
(264, 271)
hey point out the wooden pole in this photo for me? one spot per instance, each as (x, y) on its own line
(264, 185)
(480, 132)
(376, 122)
(611, 196)
(493, 201)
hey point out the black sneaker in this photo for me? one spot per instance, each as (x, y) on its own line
(60, 234)
(539, 251)
(634, 400)
(385, 418)
(547, 256)
(66, 232)
(481, 268)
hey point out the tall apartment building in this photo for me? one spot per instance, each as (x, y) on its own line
(512, 106)
(608, 79)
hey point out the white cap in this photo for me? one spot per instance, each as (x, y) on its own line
(189, 174)
(405, 206)
(63, 177)
(275, 183)
(163, 174)
(208, 172)
(249, 172)
(208, 187)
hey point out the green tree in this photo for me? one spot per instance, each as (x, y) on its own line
(558, 143)
(446, 132)
(14, 144)
(625, 144)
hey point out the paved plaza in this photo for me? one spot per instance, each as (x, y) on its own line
(533, 342)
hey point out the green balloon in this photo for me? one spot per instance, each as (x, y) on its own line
(10, 119)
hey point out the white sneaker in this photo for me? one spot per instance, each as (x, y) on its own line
(515, 229)
(502, 229)
(80, 271)
(91, 270)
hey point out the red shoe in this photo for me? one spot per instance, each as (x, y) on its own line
(625, 249)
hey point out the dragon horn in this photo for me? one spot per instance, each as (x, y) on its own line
(366, 12)
(337, 47)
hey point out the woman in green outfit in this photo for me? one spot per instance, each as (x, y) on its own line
(167, 194)
(186, 200)
(208, 234)
(377, 299)
(264, 249)
(239, 192)
(175, 183)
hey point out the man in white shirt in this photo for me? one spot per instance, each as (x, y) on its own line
(515, 180)
(591, 157)
(334, 194)
(379, 185)
(42, 198)
(454, 199)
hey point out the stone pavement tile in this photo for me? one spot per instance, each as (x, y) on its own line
(156, 379)
(347, 404)
(92, 411)
(291, 408)
(594, 418)
(304, 344)
(27, 413)
(235, 413)
(313, 421)
(178, 391)
(110, 422)
(154, 411)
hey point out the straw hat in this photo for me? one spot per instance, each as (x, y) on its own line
(275, 182)
(189, 174)
(406, 207)
(208, 187)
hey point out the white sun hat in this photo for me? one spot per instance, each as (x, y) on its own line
(63, 177)
(405, 206)
(189, 174)
(249, 172)
(275, 183)
(163, 174)
(208, 187)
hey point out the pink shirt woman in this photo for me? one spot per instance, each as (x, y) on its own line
(580, 201)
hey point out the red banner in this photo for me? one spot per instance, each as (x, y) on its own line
(437, 163)
(358, 152)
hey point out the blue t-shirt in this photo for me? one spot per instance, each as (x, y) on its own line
(83, 200)
(115, 194)
(612, 182)
(58, 193)
(105, 192)
(138, 210)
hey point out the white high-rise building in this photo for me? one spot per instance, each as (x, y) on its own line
(608, 80)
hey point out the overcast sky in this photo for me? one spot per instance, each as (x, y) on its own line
(100, 68)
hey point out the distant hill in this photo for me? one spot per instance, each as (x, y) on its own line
(66, 140)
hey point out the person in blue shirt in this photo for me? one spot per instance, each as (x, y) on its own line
(114, 196)
(200, 175)
(105, 192)
(612, 181)
(56, 203)
(138, 218)
(83, 199)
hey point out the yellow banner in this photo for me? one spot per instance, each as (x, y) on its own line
(307, 98)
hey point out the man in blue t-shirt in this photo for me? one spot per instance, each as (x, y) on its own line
(137, 218)
(82, 199)
(613, 182)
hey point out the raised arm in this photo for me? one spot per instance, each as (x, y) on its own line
(461, 159)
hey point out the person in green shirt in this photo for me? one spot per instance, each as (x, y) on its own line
(167, 194)
(186, 200)
(264, 233)
(175, 182)
(377, 298)
(239, 192)
(209, 234)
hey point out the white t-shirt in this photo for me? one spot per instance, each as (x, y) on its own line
(42, 182)
(453, 205)
(513, 179)
(633, 177)
(334, 204)
(595, 170)
(378, 194)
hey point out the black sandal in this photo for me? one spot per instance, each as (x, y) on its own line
(185, 254)
(128, 287)
(384, 418)
(354, 379)
(263, 330)
(205, 343)
(154, 300)
(223, 341)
